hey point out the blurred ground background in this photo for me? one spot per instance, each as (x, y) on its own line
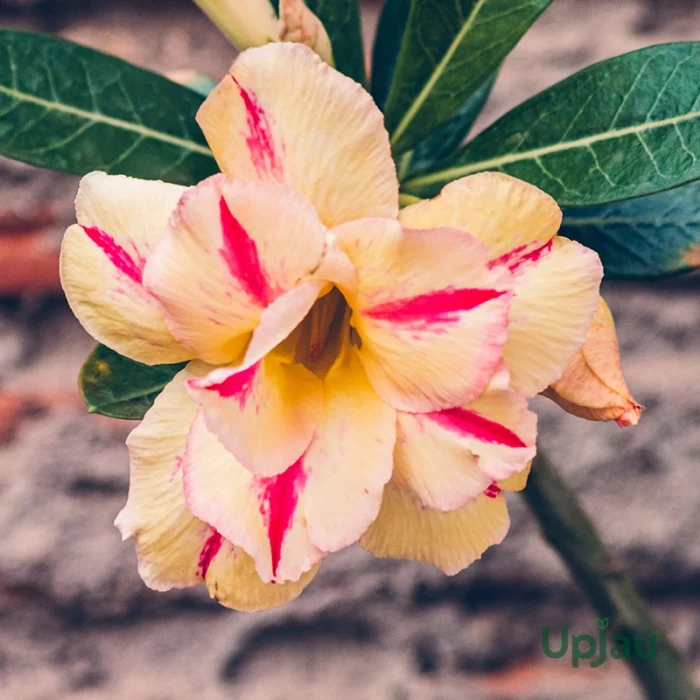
(75, 620)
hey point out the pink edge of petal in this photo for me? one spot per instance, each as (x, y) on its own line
(279, 496)
(517, 258)
(116, 254)
(238, 386)
(492, 490)
(260, 141)
(240, 253)
(209, 551)
(442, 306)
(473, 424)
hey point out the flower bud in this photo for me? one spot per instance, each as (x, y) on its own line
(300, 25)
(593, 386)
(246, 23)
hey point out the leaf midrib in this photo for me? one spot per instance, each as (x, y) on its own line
(143, 131)
(533, 154)
(436, 74)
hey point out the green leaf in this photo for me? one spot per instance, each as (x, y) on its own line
(67, 107)
(116, 386)
(622, 128)
(653, 236)
(450, 49)
(390, 32)
(341, 18)
(450, 134)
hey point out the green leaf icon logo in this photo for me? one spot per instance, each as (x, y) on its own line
(602, 624)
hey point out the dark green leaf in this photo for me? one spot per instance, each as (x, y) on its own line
(651, 236)
(390, 31)
(115, 386)
(341, 18)
(67, 107)
(622, 128)
(450, 134)
(450, 49)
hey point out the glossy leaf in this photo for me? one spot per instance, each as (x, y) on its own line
(620, 129)
(451, 48)
(450, 134)
(341, 18)
(116, 386)
(651, 236)
(390, 32)
(67, 107)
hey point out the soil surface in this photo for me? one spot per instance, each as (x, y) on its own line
(77, 623)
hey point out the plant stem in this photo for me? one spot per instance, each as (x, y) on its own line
(571, 533)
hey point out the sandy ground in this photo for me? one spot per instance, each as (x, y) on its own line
(77, 623)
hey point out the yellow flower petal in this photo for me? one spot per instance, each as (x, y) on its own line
(593, 385)
(298, 24)
(233, 251)
(451, 541)
(430, 314)
(451, 457)
(245, 23)
(265, 414)
(499, 210)
(282, 115)
(120, 220)
(556, 295)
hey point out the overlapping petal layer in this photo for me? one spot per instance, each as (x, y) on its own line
(322, 502)
(120, 220)
(450, 457)
(174, 548)
(431, 315)
(556, 281)
(285, 116)
(220, 264)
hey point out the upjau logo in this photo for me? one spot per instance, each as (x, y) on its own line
(584, 647)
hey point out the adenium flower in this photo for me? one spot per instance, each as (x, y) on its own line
(355, 372)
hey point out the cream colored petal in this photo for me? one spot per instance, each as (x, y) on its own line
(169, 539)
(430, 313)
(298, 24)
(450, 457)
(282, 115)
(451, 541)
(264, 516)
(233, 581)
(499, 210)
(350, 459)
(516, 482)
(593, 385)
(245, 23)
(265, 414)
(556, 296)
(233, 251)
(120, 220)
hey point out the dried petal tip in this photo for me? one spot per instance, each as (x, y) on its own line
(593, 386)
(300, 25)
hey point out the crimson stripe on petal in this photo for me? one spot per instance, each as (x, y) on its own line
(435, 307)
(260, 141)
(517, 258)
(240, 253)
(117, 255)
(278, 501)
(492, 490)
(473, 424)
(209, 551)
(238, 386)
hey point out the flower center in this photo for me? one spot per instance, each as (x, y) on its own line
(322, 333)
